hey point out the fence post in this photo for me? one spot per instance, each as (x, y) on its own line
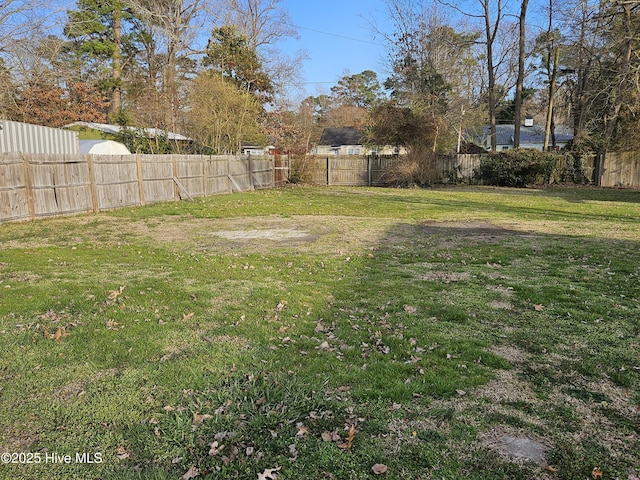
(28, 183)
(328, 172)
(140, 179)
(369, 170)
(176, 189)
(92, 184)
(230, 182)
(251, 182)
(205, 189)
(598, 170)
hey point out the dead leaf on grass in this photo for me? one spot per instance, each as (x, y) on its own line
(538, 308)
(121, 453)
(60, 333)
(379, 468)
(347, 445)
(193, 472)
(198, 418)
(215, 448)
(596, 473)
(112, 298)
(302, 430)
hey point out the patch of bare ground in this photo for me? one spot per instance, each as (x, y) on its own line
(501, 305)
(19, 436)
(506, 387)
(76, 388)
(515, 445)
(513, 354)
(505, 291)
(446, 277)
(308, 233)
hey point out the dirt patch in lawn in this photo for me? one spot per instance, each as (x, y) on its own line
(515, 445)
(273, 234)
(309, 234)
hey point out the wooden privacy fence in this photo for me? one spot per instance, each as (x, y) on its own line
(345, 170)
(34, 186)
(615, 169)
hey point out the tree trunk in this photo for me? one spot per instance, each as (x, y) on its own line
(552, 93)
(612, 117)
(491, 32)
(517, 118)
(116, 61)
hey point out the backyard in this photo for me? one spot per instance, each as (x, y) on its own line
(326, 333)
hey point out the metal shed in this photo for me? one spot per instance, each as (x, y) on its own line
(17, 137)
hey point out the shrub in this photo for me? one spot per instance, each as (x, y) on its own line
(416, 169)
(517, 168)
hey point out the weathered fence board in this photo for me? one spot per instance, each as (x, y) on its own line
(621, 169)
(33, 186)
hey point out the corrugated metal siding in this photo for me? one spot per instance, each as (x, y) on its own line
(17, 137)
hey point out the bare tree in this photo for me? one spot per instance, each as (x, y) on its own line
(265, 23)
(176, 24)
(21, 25)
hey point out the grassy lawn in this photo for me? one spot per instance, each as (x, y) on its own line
(326, 333)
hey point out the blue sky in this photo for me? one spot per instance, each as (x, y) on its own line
(338, 38)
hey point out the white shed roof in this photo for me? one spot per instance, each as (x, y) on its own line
(103, 147)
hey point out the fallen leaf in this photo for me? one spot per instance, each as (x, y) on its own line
(115, 294)
(596, 473)
(347, 445)
(122, 453)
(269, 474)
(302, 430)
(538, 308)
(379, 468)
(552, 469)
(60, 332)
(187, 316)
(281, 306)
(327, 437)
(193, 472)
(409, 309)
(215, 448)
(198, 419)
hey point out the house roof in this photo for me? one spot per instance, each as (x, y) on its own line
(150, 132)
(341, 136)
(528, 135)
